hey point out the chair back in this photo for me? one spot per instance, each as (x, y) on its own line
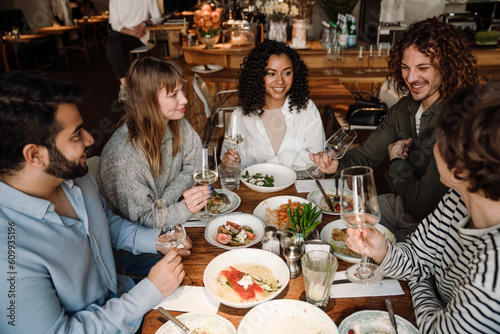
(389, 96)
(203, 93)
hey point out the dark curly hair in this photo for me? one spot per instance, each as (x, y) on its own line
(468, 137)
(251, 88)
(447, 49)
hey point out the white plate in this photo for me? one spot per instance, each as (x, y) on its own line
(317, 198)
(201, 68)
(270, 260)
(222, 208)
(287, 316)
(284, 177)
(255, 223)
(299, 47)
(265, 210)
(326, 235)
(374, 322)
(210, 323)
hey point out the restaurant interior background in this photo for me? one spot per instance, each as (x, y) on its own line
(100, 108)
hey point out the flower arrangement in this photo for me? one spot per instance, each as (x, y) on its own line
(208, 21)
(277, 10)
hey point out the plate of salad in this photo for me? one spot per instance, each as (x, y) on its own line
(235, 230)
(268, 178)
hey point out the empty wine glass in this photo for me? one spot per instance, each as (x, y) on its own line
(312, 170)
(340, 141)
(205, 171)
(328, 40)
(358, 188)
(360, 60)
(338, 55)
(370, 59)
(168, 231)
(234, 131)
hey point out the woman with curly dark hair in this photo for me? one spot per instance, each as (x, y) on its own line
(451, 262)
(430, 61)
(279, 122)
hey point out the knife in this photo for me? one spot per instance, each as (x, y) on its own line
(174, 319)
(326, 197)
(391, 314)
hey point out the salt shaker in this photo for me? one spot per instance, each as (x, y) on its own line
(292, 254)
(270, 242)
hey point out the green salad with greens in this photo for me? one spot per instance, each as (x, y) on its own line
(258, 179)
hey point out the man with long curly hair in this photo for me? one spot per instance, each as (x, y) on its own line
(278, 120)
(429, 62)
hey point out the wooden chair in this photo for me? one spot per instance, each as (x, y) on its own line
(77, 47)
(212, 107)
(145, 48)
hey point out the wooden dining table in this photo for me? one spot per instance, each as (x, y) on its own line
(338, 309)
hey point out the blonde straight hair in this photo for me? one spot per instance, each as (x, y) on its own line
(143, 117)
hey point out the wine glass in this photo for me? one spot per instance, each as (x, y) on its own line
(360, 60)
(234, 131)
(370, 60)
(340, 141)
(358, 188)
(338, 55)
(205, 171)
(168, 231)
(312, 170)
(328, 40)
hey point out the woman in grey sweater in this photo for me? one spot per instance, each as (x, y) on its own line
(151, 154)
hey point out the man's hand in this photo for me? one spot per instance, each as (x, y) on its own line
(167, 273)
(325, 163)
(399, 149)
(369, 242)
(140, 30)
(196, 198)
(187, 244)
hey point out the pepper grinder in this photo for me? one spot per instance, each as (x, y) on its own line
(292, 254)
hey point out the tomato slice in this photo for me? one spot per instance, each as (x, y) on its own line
(249, 234)
(223, 238)
(232, 224)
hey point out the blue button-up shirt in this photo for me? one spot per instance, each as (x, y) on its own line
(58, 273)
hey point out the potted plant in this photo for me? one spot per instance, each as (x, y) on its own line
(303, 220)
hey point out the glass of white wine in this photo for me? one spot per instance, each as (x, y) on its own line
(234, 131)
(169, 232)
(359, 209)
(206, 171)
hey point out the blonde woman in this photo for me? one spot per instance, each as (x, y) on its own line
(150, 156)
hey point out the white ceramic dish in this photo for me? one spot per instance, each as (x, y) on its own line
(287, 316)
(210, 323)
(265, 210)
(317, 198)
(284, 177)
(326, 235)
(222, 207)
(201, 69)
(374, 322)
(255, 223)
(245, 256)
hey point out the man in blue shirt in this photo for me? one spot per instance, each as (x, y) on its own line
(58, 272)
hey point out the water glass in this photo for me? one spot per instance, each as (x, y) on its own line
(229, 175)
(318, 269)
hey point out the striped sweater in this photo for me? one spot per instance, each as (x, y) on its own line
(465, 265)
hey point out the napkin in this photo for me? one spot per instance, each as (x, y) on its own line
(306, 186)
(190, 299)
(195, 223)
(385, 287)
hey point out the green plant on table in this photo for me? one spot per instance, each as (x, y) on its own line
(303, 219)
(487, 37)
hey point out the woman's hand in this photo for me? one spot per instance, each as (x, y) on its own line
(230, 156)
(325, 163)
(369, 242)
(196, 198)
(167, 273)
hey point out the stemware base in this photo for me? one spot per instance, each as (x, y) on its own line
(367, 274)
(328, 72)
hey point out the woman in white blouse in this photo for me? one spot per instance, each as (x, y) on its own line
(457, 247)
(280, 124)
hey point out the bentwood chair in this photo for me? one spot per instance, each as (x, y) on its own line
(212, 107)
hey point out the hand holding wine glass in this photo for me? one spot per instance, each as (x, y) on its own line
(340, 141)
(205, 170)
(169, 232)
(358, 188)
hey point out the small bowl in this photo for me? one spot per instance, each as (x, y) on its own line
(255, 223)
(284, 177)
(273, 262)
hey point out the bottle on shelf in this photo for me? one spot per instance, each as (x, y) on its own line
(343, 34)
(351, 38)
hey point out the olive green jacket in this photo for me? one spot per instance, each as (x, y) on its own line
(415, 179)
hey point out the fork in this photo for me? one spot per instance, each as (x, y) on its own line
(223, 196)
(336, 198)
